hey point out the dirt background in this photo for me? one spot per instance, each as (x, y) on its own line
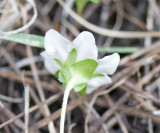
(130, 104)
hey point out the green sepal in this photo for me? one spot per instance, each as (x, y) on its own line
(67, 74)
(64, 85)
(97, 75)
(61, 77)
(80, 87)
(71, 58)
(57, 73)
(60, 63)
(83, 91)
(82, 71)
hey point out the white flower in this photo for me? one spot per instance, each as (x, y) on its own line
(106, 65)
(58, 47)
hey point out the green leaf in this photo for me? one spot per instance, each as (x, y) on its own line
(118, 49)
(27, 39)
(94, 1)
(80, 87)
(82, 71)
(71, 58)
(81, 3)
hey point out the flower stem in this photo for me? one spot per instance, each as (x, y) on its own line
(64, 105)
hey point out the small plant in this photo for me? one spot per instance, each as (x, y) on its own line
(81, 4)
(75, 64)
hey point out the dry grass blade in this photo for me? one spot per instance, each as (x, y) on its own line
(48, 101)
(26, 107)
(117, 115)
(16, 15)
(10, 99)
(107, 32)
(13, 76)
(129, 104)
(40, 90)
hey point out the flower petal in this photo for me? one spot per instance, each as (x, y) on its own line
(108, 64)
(51, 65)
(95, 83)
(85, 46)
(55, 42)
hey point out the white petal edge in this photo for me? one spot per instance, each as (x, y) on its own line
(108, 64)
(51, 65)
(85, 46)
(56, 43)
(95, 83)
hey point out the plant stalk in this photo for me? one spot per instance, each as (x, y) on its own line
(64, 105)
